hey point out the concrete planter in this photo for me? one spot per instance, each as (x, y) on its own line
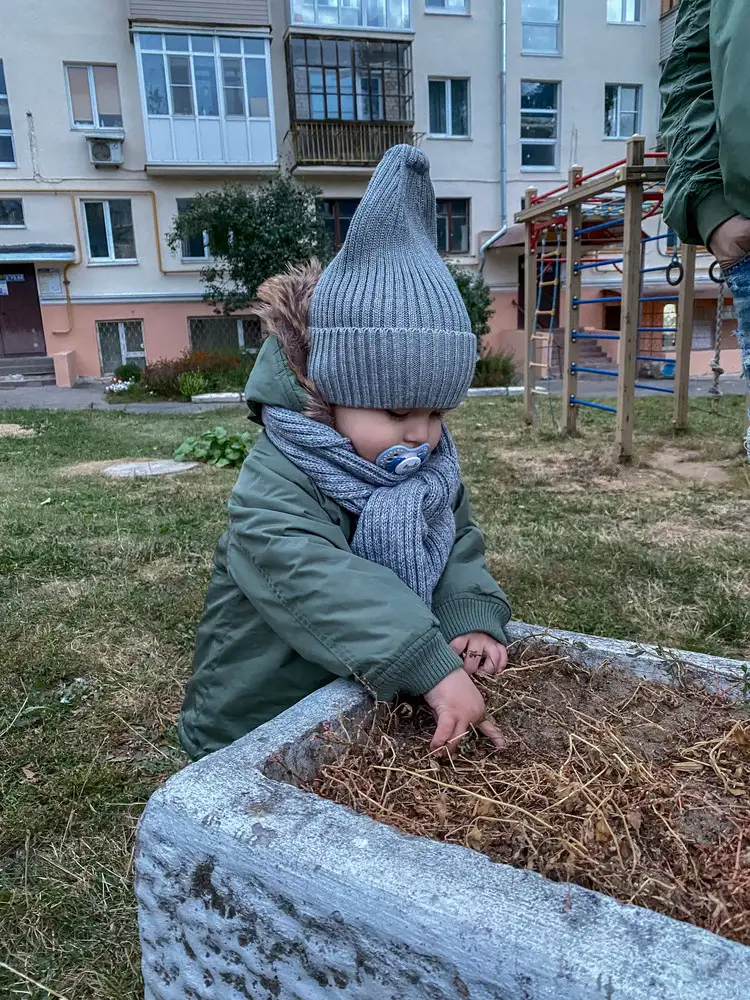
(251, 888)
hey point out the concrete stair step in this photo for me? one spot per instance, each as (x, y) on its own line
(27, 382)
(28, 365)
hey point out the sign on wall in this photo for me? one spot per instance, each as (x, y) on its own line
(3, 286)
(12, 277)
(49, 281)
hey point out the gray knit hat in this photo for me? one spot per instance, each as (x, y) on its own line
(388, 326)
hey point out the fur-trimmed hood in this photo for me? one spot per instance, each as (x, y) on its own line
(279, 377)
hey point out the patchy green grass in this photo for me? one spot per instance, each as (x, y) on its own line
(102, 584)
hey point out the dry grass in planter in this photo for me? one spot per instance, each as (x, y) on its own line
(636, 789)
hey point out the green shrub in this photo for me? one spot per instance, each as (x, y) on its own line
(191, 384)
(129, 373)
(494, 371)
(221, 372)
(217, 447)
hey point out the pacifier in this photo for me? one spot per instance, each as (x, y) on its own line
(400, 460)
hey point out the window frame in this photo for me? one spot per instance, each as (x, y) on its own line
(111, 259)
(125, 354)
(7, 132)
(557, 111)
(240, 320)
(335, 217)
(96, 127)
(547, 53)
(465, 10)
(448, 97)
(449, 217)
(363, 26)
(623, 10)
(206, 255)
(638, 88)
(14, 225)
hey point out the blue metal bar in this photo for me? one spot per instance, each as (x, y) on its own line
(595, 336)
(594, 371)
(649, 270)
(600, 263)
(601, 225)
(652, 239)
(595, 406)
(661, 298)
(653, 388)
(597, 302)
(657, 329)
(644, 357)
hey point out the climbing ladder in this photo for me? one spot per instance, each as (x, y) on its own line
(564, 210)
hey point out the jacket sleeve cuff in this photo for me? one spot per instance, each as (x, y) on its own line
(420, 668)
(464, 613)
(711, 211)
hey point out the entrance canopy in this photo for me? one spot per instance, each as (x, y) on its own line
(30, 253)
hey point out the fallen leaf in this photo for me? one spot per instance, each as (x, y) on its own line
(603, 832)
(475, 838)
(30, 774)
(635, 818)
(688, 766)
(48, 500)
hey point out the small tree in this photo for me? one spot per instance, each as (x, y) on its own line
(252, 233)
(476, 295)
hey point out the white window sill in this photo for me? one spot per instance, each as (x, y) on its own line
(447, 13)
(13, 226)
(112, 263)
(8, 166)
(627, 24)
(101, 131)
(542, 55)
(618, 138)
(541, 170)
(453, 138)
(196, 260)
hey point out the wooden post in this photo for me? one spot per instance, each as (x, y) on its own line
(684, 339)
(573, 256)
(631, 304)
(529, 316)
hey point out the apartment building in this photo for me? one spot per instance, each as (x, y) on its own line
(134, 106)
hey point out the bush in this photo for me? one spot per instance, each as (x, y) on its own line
(129, 373)
(477, 298)
(494, 371)
(220, 372)
(191, 384)
(216, 447)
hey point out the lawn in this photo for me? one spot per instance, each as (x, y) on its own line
(102, 586)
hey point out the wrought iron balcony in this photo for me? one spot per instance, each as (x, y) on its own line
(348, 144)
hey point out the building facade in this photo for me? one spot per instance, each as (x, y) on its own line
(134, 106)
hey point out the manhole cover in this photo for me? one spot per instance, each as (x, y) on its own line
(164, 467)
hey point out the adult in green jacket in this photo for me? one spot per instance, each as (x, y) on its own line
(289, 607)
(706, 124)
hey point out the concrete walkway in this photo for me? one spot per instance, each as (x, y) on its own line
(91, 397)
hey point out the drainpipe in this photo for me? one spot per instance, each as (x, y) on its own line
(503, 135)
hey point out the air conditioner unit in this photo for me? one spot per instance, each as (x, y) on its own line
(104, 152)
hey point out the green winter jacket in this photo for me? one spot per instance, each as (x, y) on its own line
(290, 607)
(706, 119)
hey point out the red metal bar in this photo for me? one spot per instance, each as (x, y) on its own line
(655, 156)
(602, 170)
(548, 194)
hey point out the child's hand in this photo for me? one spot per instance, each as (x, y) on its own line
(481, 653)
(457, 706)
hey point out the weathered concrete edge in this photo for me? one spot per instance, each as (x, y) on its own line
(594, 938)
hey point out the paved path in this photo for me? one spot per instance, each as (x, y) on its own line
(90, 397)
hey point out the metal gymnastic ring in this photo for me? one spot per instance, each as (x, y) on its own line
(675, 265)
(712, 273)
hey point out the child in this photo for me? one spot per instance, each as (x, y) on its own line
(351, 550)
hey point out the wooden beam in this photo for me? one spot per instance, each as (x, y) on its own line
(684, 340)
(600, 185)
(631, 306)
(529, 315)
(573, 256)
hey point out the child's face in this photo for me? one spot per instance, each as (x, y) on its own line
(372, 431)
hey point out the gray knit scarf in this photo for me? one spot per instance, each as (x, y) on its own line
(405, 523)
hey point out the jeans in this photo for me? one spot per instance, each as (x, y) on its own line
(738, 279)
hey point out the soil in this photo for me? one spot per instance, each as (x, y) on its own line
(637, 789)
(680, 464)
(16, 431)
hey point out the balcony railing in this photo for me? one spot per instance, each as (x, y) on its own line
(348, 144)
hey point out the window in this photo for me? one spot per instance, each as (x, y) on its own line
(120, 343)
(11, 213)
(7, 152)
(337, 214)
(624, 11)
(453, 225)
(540, 26)
(622, 110)
(449, 107)
(94, 96)
(347, 80)
(109, 229)
(225, 334)
(446, 6)
(207, 99)
(539, 124)
(196, 245)
(667, 5)
(392, 14)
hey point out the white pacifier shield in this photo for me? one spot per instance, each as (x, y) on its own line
(409, 464)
